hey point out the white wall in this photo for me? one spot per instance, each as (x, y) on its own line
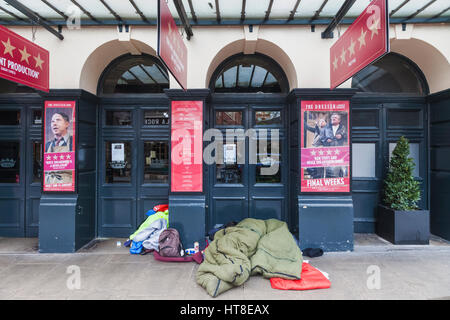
(79, 59)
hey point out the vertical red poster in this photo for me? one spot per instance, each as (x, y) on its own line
(187, 146)
(325, 147)
(171, 48)
(59, 152)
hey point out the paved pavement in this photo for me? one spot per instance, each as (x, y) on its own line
(375, 270)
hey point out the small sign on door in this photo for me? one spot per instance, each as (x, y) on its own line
(117, 152)
(229, 153)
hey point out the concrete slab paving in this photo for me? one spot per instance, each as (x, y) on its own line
(108, 271)
(19, 245)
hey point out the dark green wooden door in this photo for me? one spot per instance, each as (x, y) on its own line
(377, 124)
(133, 173)
(241, 186)
(20, 167)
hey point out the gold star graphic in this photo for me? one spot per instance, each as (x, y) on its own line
(351, 49)
(343, 56)
(374, 28)
(362, 38)
(39, 61)
(25, 55)
(9, 48)
(335, 63)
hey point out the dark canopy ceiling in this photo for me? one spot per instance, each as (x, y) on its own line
(214, 12)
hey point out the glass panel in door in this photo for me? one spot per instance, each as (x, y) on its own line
(118, 162)
(156, 162)
(9, 162)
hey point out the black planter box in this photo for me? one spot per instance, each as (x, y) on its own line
(403, 227)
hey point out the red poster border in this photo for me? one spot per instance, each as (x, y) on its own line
(74, 128)
(302, 145)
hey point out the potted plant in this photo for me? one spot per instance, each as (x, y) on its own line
(399, 219)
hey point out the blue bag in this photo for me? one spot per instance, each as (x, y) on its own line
(136, 247)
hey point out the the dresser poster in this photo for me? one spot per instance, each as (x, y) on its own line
(325, 150)
(187, 146)
(59, 152)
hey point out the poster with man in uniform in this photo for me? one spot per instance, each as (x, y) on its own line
(59, 152)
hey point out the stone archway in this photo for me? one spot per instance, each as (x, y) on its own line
(103, 55)
(434, 65)
(260, 46)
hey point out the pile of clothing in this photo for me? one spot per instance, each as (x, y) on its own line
(146, 237)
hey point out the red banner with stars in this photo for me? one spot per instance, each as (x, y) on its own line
(22, 61)
(365, 41)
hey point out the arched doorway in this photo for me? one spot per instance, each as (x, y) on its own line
(133, 153)
(391, 102)
(248, 111)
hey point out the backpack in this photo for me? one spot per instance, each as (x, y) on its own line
(169, 243)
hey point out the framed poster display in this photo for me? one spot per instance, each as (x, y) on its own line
(186, 146)
(325, 146)
(59, 152)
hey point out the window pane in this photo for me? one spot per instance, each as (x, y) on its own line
(245, 73)
(267, 117)
(37, 117)
(156, 167)
(229, 118)
(230, 171)
(9, 162)
(118, 118)
(363, 160)
(157, 73)
(268, 158)
(156, 118)
(219, 82)
(413, 153)
(37, 161)
(135, 74)
(250, 73)
(270, 80)
(365, 118)
(391, 74)
(404, 118)
(9, 117)
(118, 162)
(141, 74)
(229, 77)
(258, 76)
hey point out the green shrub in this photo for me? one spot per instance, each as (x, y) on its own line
(401, 191)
